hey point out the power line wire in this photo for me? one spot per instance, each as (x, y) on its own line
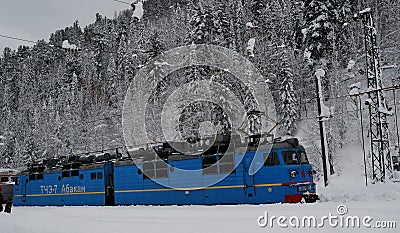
(393, 87)
(33, 42)
(344, 112)
(124, 2)
(19, 39)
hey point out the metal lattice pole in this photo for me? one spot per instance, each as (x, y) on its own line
(381, 158)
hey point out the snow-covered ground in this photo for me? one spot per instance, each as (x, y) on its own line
(380, 201)
(186, 219)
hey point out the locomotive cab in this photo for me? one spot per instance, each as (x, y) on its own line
(287, 163)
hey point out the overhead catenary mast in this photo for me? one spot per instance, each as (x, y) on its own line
(378, 111)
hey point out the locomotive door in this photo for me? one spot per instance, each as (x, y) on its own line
(109, 184)
(248, 179)
(23, 189)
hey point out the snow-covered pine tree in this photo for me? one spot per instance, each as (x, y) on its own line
(345, 41)
(175, 31)
(74, 34)
(122, 26)
(320, 18)
(11, 93)
(346, 48)
(199, 24)
(288, 102)
(154, 45)
(209, 24)
(114, 91)
(238, 26)
(8, 153)
(94, 35)
(221, 35)
(257, 8)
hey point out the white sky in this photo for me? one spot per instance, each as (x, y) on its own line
(37, 19)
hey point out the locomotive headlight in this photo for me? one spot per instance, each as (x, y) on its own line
(313, 172)
(293, 174)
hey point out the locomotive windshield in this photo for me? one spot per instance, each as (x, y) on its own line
(271, 159)
(293, 157)
(303, 158)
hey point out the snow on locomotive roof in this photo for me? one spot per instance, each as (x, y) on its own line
(288, 143)
(4, 171)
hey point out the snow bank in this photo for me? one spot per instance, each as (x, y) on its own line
(349, 182)
(340, 192)
(207, 219)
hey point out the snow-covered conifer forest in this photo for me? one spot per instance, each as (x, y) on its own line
(64, 95)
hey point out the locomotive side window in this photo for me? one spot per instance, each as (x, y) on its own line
(93, 175)
(161, 169)
(290, 157)
(226, 164)
(65, 174)
(36, 177)
(148, 170)
(207, 165)
(32, 177)
(4, 179)
(39, 176)
(74, 173)
(303, 158)
(272, 159)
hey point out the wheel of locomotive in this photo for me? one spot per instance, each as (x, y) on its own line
(8, 207)
(1, 202)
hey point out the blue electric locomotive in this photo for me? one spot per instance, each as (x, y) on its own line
(285, 175)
